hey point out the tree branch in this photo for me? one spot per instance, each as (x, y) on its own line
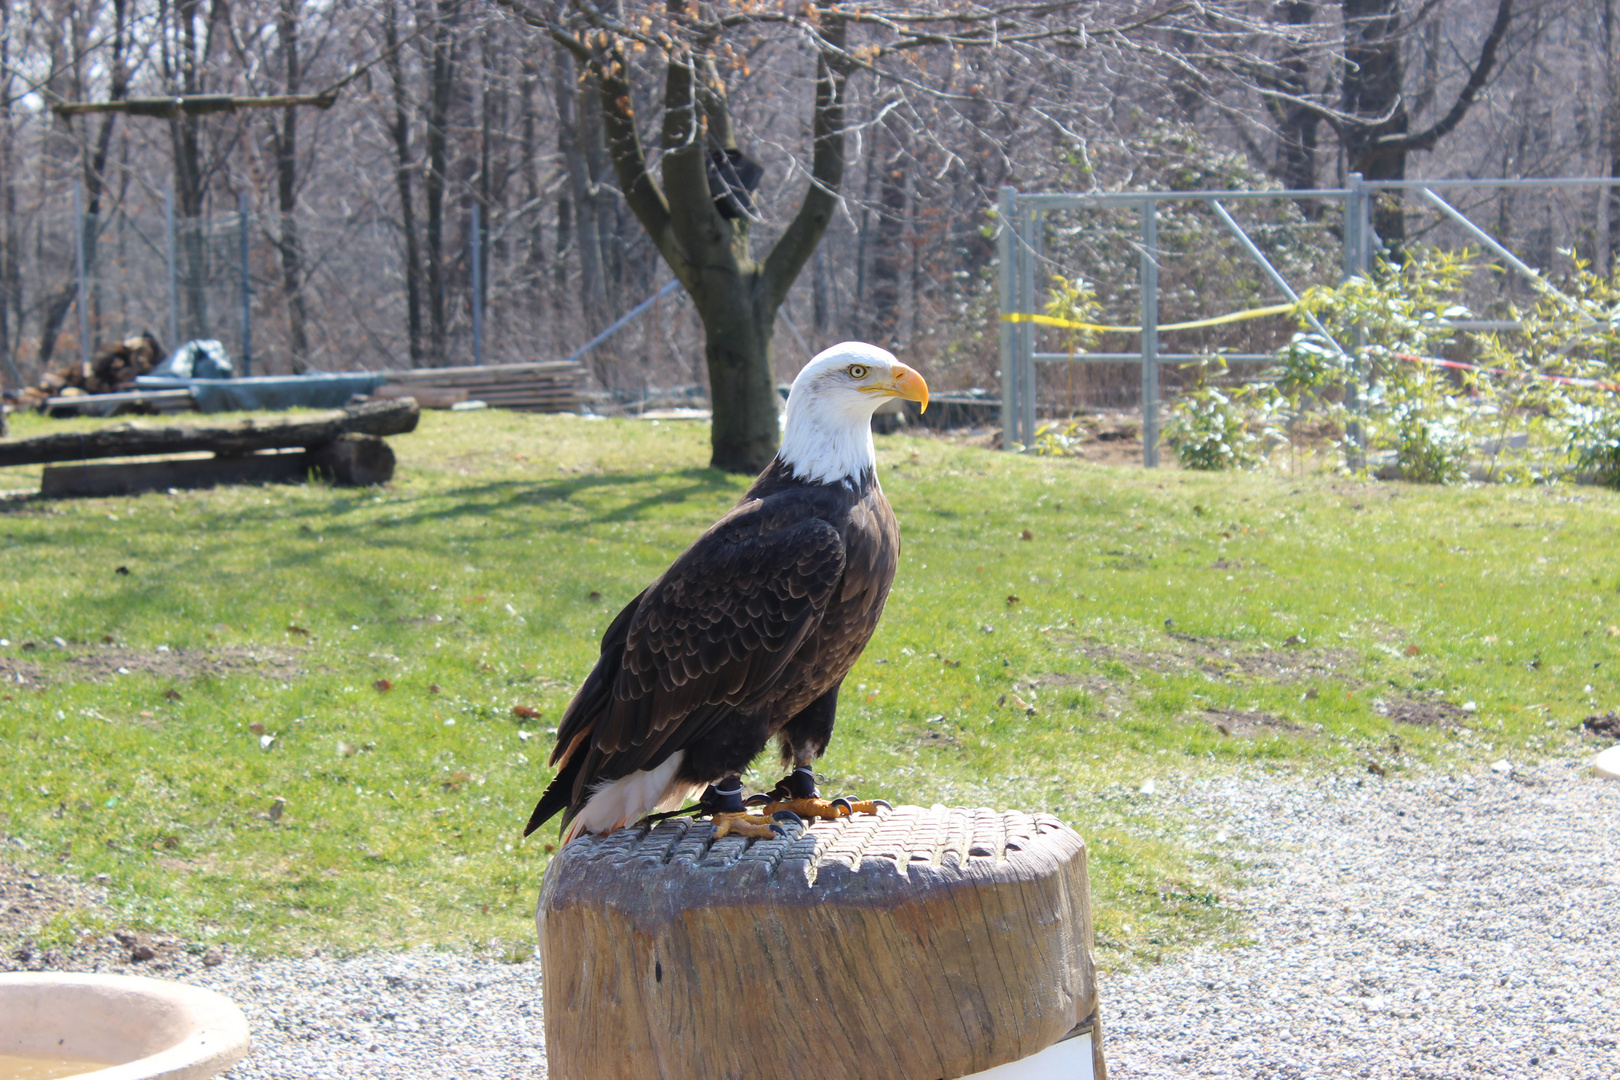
(1426, 139)
(798, 242)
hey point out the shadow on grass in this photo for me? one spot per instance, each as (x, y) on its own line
(218, 543)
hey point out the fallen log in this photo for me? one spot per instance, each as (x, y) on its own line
(350, 460)
(246, 437)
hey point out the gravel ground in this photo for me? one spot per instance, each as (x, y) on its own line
(1430, 927)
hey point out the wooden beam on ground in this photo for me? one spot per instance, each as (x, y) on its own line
(923, 944)
(139, 439)
(154, 398)
(351, 460)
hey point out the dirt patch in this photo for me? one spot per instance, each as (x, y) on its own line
(1248, 725)
(32, 666)
(1604, 725)
(30, 901)
(1226, 661)
(1102, 691)
(1103, 439)
(1441, 714)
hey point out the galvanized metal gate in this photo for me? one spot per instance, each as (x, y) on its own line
(1021, 250)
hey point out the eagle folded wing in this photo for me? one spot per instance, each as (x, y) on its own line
(712, 635)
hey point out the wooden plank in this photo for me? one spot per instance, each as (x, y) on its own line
(352, 460)
(922, 944)
(138, 439)
(428, 397)
(134, 477)
(123, 397)
(488, 371)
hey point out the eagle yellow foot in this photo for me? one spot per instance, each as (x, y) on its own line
(826, 810)
(758, 826)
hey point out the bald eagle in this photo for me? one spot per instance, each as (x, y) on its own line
(749, 633)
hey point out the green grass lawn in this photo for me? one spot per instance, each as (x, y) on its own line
(283, 718)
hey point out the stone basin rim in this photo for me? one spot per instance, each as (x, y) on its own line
(153, 1029)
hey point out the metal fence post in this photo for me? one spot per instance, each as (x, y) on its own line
(82, 297)
(475, 242)
(1026, 329)
(1357, 225)
(1006, 208)
(247, 287)
(174, 271)
(1150, 334)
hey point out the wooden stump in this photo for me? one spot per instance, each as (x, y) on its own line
(354, 460)
(925, 944)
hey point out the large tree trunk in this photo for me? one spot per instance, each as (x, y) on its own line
(185, 134)
(1374, 89)
(286, 144)
(400, 131)
(1373, 85)
(742, 385)
(441, 83)
(1297, 122)
(93, 174)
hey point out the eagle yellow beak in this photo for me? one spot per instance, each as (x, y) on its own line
(904, 383)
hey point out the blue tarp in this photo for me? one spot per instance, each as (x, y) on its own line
(268, 392)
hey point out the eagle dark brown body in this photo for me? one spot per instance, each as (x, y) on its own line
(748, 635)
(745, 637)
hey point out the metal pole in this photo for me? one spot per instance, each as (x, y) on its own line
(1150, 334)
(1026, 330)
(1007, 208)
(83, 295)
(1357, 225)
(247, 288)
(174, 273)
(475, 241)
(624, 320)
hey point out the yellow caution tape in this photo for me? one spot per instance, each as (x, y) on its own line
(1218, 320)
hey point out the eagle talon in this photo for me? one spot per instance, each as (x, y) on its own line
(758, 798)
(745, 824)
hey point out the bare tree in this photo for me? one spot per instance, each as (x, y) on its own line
(693, 199)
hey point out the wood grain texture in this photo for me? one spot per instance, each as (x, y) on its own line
(351, 460)
(925, 944)
(137, 440)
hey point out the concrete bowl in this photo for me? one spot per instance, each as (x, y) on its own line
(145, 1029)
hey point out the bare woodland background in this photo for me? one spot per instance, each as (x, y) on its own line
(360, 213)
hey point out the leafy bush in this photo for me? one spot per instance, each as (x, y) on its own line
(1545, 388)
(1212, 430)
(1593, 439)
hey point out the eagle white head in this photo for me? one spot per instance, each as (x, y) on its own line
(828, 433)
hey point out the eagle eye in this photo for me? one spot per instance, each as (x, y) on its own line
(857, 371)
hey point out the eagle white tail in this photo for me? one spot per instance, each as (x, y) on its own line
(614, 804)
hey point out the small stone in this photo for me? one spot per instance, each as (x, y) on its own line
(1503, 766)
(142, 952)
(212, 956)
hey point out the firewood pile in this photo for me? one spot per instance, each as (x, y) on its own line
(541, 386)
(112, 371)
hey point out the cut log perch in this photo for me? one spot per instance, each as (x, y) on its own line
(142, 439)
(920, 945)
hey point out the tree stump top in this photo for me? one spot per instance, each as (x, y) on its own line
(863, 856)
(919, 944)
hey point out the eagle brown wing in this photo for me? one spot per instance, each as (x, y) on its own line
(712, 635)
